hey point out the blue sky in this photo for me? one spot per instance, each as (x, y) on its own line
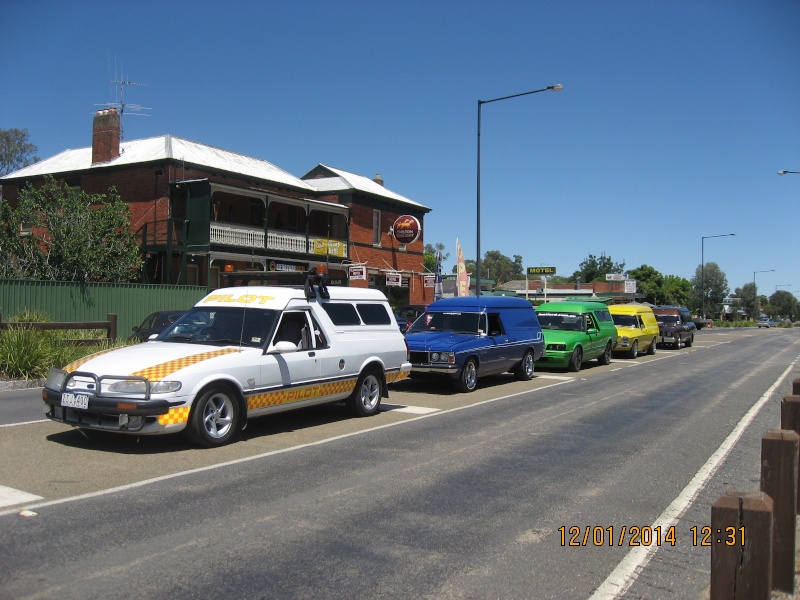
(674, 119)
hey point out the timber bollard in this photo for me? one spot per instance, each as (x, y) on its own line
(790, 419)
(741, 571)
(796, 386)
(779, 449)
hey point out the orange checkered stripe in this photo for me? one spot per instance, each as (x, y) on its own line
(308, 392)
(159, 372)
(73, 366)
(175, 416)
(396, 376)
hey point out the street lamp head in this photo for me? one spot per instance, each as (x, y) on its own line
(556, 88)
(784, 172)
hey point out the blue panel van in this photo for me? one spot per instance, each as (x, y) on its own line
(470, 337)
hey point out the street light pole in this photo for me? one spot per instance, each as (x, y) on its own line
(555, 88)
(755, 290)
(703, 268)
(785, 172)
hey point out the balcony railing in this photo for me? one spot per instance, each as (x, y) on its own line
(237, 235)
(286, 241)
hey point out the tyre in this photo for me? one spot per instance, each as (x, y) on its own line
(690, 340)
(524, 370)
(365, 400)
(214, 418)
(605, 357)
(677, 344)
(634, 351)
(468, 379)
(576, 360)
(652, 348)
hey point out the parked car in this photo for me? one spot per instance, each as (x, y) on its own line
(155, 323)
(576, 332)
(637, 329)
(765, 322)
(239, 353)
(675, 326)
(410, 312)
(470, 337)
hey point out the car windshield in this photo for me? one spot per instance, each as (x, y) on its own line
(561, 321)
(456, 322)
(667, 318)
(625, 320)
(222, 326)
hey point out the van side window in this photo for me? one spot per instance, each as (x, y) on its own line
(374, 314)
(590, 324)
(341, 313)
(293, 328)
(495, 326)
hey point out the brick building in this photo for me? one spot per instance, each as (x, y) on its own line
(207, 216)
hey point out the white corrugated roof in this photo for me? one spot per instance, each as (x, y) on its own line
(161, 148)
(350, 181)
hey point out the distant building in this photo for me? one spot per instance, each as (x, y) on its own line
(207, 216)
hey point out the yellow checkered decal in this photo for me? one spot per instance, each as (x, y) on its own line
(73, 366)
(159, 372)
(396, 376)
(175, 416)
(308, 392)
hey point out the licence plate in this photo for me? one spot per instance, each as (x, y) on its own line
(75, 400)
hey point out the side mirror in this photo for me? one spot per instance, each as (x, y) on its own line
(283, 348)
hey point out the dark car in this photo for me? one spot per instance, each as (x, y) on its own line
(675, 326)
(155, 323)
(409, 313)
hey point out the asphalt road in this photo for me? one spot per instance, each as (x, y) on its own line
(444, 495)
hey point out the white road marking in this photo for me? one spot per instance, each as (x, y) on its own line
(414, 410)
(556, 377)
(628, 569)
(9, 496)
(24, 423)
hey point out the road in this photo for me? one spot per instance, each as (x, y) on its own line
(443, 495)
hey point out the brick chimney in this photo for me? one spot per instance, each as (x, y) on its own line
(105, 136)
(377, 179)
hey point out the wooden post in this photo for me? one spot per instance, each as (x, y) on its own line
(796, 386)
(790, 419)
(112, 327)
(741, 571)
(779, 479)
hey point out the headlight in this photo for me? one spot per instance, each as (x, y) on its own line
(128, 386)
(164, 387)
(55, 379)
(434, 357)
(443, 357)
(557, 347)
(624, 339)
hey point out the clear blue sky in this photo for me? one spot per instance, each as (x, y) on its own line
(674, 119)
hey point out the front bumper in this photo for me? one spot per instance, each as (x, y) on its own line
(555, 358)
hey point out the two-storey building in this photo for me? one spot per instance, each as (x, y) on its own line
(208, 216)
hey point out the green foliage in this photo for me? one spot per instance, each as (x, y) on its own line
(76, 236)
(714, 283)
(15, 150)
(677, 290)
(595, 269)
(650, 283)
(746, 295)
(429, 256)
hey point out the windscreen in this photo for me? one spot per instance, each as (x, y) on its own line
(455, 322)
(222, 326)
(561, 321)
(625, 320)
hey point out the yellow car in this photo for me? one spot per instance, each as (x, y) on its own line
(637, 329)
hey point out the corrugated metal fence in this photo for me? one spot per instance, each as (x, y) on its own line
(75, 301)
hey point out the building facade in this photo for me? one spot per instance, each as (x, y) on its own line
(212, 217)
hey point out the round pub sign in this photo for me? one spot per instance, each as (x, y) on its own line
(406, 229)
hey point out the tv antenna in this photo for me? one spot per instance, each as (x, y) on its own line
(119, 82)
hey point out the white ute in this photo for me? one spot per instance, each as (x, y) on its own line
(239, 353)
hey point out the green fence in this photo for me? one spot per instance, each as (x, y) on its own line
(74, 301)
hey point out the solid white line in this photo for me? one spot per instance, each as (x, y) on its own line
(626, 572)
(9, 496)
(239, 461)
(414, 410)
(25, 423)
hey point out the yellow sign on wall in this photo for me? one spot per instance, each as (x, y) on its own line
(330, 247)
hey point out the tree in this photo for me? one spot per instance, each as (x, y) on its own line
(746, 294)
(429, 256)
(75, 236)
(713, 282)
(501, 268)
(595, 269)
(677, 290)
(650, 283)
(15, 150)
(784, 304)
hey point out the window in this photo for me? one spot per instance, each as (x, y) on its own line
(342, 314)
(376, 227)
(374, 314)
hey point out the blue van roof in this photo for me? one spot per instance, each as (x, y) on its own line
(479, 303)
